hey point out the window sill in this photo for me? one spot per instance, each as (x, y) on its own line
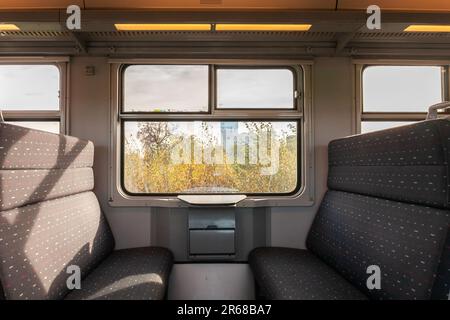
(300, 199)
(212, 200)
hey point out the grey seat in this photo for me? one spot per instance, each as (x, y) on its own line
(387, 206)
(293, 274)
(50, 219)
(129, 274)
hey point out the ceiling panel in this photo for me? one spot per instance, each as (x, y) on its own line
(212, 4)
(38, 4)
(401, 5)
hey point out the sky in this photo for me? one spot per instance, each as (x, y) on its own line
(253, 89)
(185, 88)
(29, 87)
(164, 88)
(401, 89)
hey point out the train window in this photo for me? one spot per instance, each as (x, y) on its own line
(369, 126)
(192, 157)
(165, 88)
(29, 87)
(30, 95)
(401, 88)
(394, 95)
(240, 88)
(208, 149)
(50, 126)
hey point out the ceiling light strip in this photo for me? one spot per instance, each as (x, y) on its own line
(8, 27)
(262, 27)
(163, 26)
(427, 28)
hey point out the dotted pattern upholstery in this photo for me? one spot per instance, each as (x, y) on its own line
(352, 232)
(388, 205)
(129, 274)
(292, 274)
(23, 148)
(408, 163)
(441, 289)
(38, 242)
(23, 187)
(50, 219)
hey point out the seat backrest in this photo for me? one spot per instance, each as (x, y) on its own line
(388, 205)
(49, 216)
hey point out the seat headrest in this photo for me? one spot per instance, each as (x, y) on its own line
(408, 163)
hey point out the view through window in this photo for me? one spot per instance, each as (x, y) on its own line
(209, 155)
(255, 89)
(165, 88)
(388, 92)
(29, 88)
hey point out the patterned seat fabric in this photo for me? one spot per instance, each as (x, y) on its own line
(292, 274)
(388, 206)
(49, 216)
(129, 274)
(352, 232)
(406, 164)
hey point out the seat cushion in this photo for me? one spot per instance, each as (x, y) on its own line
(352, 232)
(129, 274)
(293, 274)
(39, 241)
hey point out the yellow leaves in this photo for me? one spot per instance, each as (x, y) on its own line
(148, 166)
(155, 174)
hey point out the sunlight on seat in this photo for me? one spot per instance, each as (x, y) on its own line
(125, 283)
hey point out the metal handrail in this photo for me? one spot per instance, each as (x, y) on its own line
(433, 110)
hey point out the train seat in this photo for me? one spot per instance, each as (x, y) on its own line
(388, 208)
(51, 220)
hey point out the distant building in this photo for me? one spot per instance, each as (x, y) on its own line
(229, 132)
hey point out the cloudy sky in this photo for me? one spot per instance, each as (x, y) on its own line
(185, 88)
(401, 89)
(164, 88)
(29, 87)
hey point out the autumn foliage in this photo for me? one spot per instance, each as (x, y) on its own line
(149, 166)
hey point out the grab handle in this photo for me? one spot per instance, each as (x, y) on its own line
(433, 110)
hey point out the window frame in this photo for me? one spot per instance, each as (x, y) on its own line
(303, 195)
(61, 115)
(361, 116)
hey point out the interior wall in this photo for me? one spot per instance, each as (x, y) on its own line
(287, 226)
(89, 119)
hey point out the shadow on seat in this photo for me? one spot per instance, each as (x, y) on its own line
(50, 218)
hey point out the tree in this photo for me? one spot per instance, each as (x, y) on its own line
(148, 167)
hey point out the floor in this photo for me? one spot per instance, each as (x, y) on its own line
(211, 281)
